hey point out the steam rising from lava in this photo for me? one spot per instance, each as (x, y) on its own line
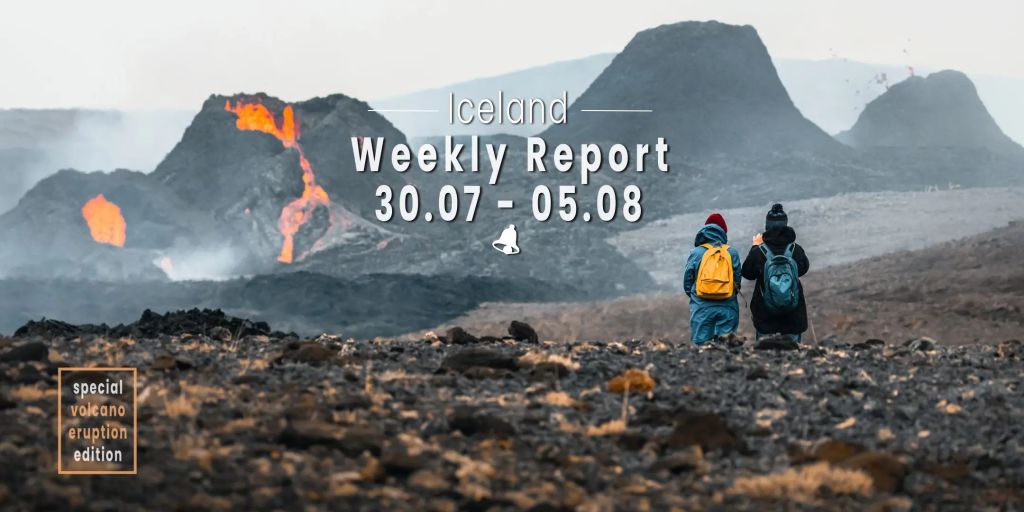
(106, 224)
(256, 117)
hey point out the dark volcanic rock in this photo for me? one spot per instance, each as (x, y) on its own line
(309, 352)
(471, 421)
(522, 331)
(921, 344)
(193, 321)
(868, 344)
(47, 327)
(708, 430)
(548, 371)
(459, 336)
(776, 343)
(758, 374)
(30, 351)
(478, 357)
(220, 333)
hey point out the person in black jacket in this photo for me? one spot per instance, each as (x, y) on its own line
(777, 236)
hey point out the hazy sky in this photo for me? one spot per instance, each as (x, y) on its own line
(137, 54)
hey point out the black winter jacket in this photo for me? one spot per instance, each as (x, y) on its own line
(794, 322)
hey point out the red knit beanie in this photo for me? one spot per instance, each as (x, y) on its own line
(717, 219)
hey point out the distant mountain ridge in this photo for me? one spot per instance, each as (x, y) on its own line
(940, 110)
(711, 87)
(831, 93)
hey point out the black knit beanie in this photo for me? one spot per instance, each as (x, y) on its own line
(776, 217)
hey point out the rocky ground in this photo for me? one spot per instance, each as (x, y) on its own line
(234, 416)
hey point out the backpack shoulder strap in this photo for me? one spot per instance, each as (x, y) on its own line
(789, 250)
(766, 251)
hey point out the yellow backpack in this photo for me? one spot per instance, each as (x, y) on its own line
(714, 275)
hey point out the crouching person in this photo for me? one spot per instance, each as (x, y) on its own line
(777, 262)
(711, 279)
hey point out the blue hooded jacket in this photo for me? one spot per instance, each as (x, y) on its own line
(709, 318)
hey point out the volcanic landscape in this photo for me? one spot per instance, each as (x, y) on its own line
(295, 352)
(234, 416)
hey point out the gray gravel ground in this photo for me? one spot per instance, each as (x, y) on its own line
(835, 230)
(262, 423)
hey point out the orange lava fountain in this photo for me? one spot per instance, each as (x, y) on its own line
(256, 117)
(106, 224)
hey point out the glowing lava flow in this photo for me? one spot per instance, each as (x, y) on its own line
(256, 117)
(106, 224)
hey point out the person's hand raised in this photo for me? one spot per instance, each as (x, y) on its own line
(758, 239)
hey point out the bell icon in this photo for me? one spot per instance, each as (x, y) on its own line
(508, 241)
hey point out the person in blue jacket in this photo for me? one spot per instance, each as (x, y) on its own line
(711, 319)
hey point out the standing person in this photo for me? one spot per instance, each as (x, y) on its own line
(711, 279)
(777, 262)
